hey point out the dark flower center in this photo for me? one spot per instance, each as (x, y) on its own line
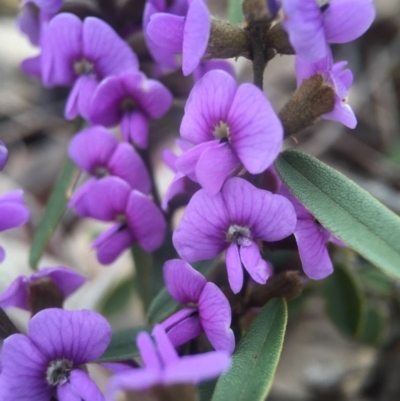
(238, 235)
(324, 7)
(121, 218)
(128, 104)
(84, 67)
(221, 132)
(58, 371)
(101, 172)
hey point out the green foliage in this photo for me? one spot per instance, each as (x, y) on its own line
(235, 15)
(53, 213)
(256, 357)
(117, 298)
(373, 326)
(344, 208)
(122, 345)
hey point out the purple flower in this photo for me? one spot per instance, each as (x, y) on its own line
(130, 99)
(82, 54)
(234, 219)
(163, 366)
(311, 240)
(17, 294)
(234, 125)
(209, 65)
(335, 76)
(13, 213)
(34, 14)
(97, 151)
(162, 55)
(50, 360)
(207, 308)
(181, 185)
(311, 27)
(136, 217)
(182, 34)
(3, 155)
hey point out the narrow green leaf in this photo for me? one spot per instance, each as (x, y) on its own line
(206, 390)
(374, 281)
(235, 14)
(164, 305)
(53, 213)
(256, 357)
(344, 208)
(116, 300)
(373, 326)
(122, 345)
(344, 302)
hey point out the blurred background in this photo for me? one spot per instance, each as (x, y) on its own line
(325, 357)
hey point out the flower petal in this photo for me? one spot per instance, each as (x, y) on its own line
(85, 386)
(185, 330)
(182, 281)
(135, 379)
(258, 268)
(16, 294)
(148, 351)
(234, 268)
(343, 113)
(255, 130)
(80, 336)
(215, 316)
(165, 348)
(208, 105)
(13, 211)
(135, 129)
(65, 392)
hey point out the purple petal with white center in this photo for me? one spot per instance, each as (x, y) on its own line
(185, 330)
(234, 268)
(108, 198)
(13, 211)
(269, 217)
(63, 47)
(148, 351)
(3, 155)
(135, 128)
(255, 130)
(92, 148)
(79, 199)
(196, 368)
(146, 221)
(311, 241)
(84, 386)
(208, 105)
(101, 45)
(211, 175)
(184, 283)
(215, 316)
(346, 20)
(22, 362)
(80, 336)
(166, 30)
(187, 162)
(201, 231)
(166, 350)
(258, 268)
(303, 22)
(111, 243)
(128, 165)
(195, 35)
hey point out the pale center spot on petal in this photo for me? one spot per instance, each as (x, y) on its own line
(128, 104)
(121, 218)
(221, 131)
(101, 172)
(84, 67)
(239, 235)
(58, 371)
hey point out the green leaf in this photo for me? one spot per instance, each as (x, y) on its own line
(53, 214)
(256, 357)
(344, 303)
(373, 326)
(164, 305)
(206, 390)
(374, 281)
(235, 15)
(344, 208)
(118, 297)
(122, 345)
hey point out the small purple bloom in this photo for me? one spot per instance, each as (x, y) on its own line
(13, 213)
(209, 65)
(130, 99)
(17, 293)
(311, 27)
(183, 34)
(234, 220)
(311, 240)
(96, 151)
(235, 125)
(49, 361)
(334, 75)
(34, 14)
(136, 217)
(82, 54)
(207, 308)
(3, 155)
(163, 366)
